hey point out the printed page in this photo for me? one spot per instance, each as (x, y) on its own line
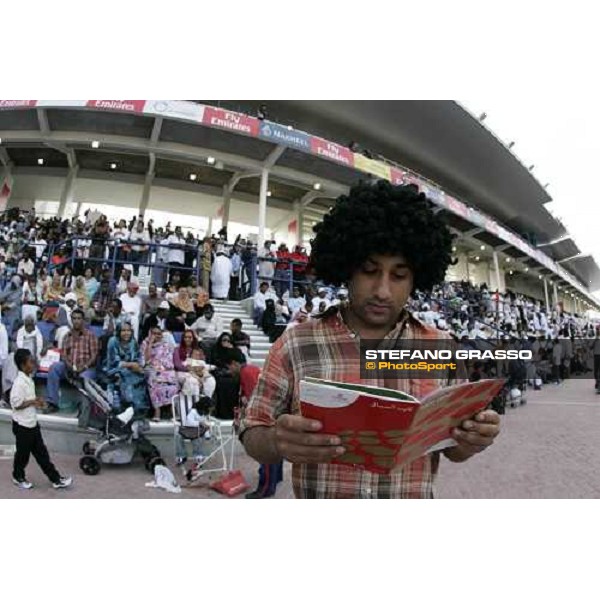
(445, 409)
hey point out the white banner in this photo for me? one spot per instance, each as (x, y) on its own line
(175, 109)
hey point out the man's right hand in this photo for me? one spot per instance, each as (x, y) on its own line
(298, 441)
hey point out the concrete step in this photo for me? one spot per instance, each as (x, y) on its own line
(233, 315)
(259, 351)
(261, 345)
(228, 316)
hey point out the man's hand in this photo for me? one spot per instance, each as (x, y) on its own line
(40, 403)
(296, 440)
(474, 435)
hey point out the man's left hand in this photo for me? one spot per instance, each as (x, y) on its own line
(474, 435)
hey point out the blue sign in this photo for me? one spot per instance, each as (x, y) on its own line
(284, 136)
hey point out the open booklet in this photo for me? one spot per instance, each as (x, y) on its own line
(383, 429)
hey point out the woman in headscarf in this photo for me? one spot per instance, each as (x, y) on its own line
(56, 291)
(42, 284)
(91, 283)
(30, 338)
(269, 317)
(79, 289)
(227, 392)
(157, 355)
(182, 311)
(194, 378)
(10, 301)
(198, 295)
(123, 362)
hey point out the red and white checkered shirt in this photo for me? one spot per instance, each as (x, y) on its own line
(327, 348)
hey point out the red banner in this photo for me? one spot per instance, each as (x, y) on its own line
(397, 176)
(4, 194)
(225, 119)
(332, 151)
(457, 207)
(412, 180)
(292, 226)
(17, 103)
(135, 106)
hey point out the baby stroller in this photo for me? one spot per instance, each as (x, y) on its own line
(120, 435)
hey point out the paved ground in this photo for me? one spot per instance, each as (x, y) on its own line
(548, 449)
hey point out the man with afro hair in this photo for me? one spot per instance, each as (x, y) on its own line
(382, 242)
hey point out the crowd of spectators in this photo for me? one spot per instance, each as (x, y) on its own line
(73, 287)
(71, 294)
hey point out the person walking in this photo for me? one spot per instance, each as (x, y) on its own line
(26, 429)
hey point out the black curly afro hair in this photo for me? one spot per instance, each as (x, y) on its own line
(382, 219)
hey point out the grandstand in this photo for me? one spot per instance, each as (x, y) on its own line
(216, 162)
(206, 165)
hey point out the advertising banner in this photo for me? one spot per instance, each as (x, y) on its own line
(278, 134)
(17, 103)
(61, 103)
(233, 121)
(175, 109)
(410, 179)
(457, 207)
(332, 151)
(397, 176)
(477, 218)
(375, 167)
(4, 194)
(134, 106)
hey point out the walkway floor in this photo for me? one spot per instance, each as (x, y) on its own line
(548, 449)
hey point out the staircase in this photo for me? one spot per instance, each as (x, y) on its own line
(259, 342)
(231, 309)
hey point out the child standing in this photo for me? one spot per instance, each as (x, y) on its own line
(196, 419)
(26, 428)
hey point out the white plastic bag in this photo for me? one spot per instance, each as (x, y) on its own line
(164, 479)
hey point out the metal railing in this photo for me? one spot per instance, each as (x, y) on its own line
(115, 253)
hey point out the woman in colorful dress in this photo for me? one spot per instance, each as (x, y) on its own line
(158, 360)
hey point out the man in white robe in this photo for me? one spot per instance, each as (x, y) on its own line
(220, 275)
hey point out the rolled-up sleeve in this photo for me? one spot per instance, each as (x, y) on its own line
(273, 394)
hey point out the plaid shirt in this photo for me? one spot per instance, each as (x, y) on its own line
(326, 348)
(80, 350)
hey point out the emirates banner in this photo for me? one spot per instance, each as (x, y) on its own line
(397, 176)
(332, 151)
(134, 106)
(4, 194)
(232, 121)
(17, 104)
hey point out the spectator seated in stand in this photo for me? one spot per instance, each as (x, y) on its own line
(78, 360)
(124, 371)
(101, 302)
(182, 312)
(241, 340)
(259, 302)
(157, 357)
(208, 327)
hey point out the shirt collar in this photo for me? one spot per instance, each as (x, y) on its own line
(405, 321)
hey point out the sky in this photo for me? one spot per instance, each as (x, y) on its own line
(562, 139)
